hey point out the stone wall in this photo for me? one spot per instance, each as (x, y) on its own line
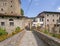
(18, 22)
(10, 7)
(51, 41)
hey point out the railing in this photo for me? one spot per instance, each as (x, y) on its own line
(51, 41)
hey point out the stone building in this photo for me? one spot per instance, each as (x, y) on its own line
(10, 22)
(50, 20)
(10, 15)
(10, 7)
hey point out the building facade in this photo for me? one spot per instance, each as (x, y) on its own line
(10, 15)
(37, 21)
(50, 20)
(10, 7)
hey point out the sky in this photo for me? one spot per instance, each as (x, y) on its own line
(38, 6)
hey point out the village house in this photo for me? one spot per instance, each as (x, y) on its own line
(50, 21)
(10, 15)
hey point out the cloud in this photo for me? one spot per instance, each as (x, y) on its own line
(58, 8)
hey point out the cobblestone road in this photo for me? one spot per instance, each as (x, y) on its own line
(29, 39)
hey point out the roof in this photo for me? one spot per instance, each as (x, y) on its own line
(50, 12)
(47, 12)
(13, 16)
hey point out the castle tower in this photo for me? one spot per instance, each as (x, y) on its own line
(10, 7)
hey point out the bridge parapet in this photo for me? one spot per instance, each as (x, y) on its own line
(51, 41)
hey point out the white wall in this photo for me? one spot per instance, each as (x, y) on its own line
(38, 22)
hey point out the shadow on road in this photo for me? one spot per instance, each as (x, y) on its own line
(39, 41)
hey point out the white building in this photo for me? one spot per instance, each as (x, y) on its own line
(38, 21)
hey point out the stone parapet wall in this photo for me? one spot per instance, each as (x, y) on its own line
(51, 41)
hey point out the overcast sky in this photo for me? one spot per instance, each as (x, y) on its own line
(38, 6)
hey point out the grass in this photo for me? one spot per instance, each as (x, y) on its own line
(4, 35)
(51, 34)
(3, 31)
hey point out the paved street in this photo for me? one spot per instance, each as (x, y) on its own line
(29, 39)
(12, 41)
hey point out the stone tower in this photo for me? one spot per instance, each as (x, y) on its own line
(10, 7)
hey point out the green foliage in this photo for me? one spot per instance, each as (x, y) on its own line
(22, 12)
(54, 35)
(46, 32)
(2, 31)
(17, 29)
(3, 34)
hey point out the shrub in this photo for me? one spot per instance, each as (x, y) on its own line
(13, 32)
(46, 31)
(17, 29)
(2, 31)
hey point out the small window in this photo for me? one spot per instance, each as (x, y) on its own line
(10, 19)
(1, 9)
(17, 17)
(11, 23)
(57, 25)
(53, 20)
(2, 23)
(42, 19)
(47, 19)
(2, 16)
(11, 11)
(53, 15)
(47, 15)
(11, 6)
(11, 1)
(57, 20)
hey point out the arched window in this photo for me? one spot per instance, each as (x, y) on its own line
(10, 19)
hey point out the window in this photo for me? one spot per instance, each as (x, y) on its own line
(17, 17)
(10, 19)
(11, 1)
(11, 6)
(53, 20)
(47, 19)
(2, 23)
(1, 9)
(42, 19)
(47, 15)
(53, 15)
(2, 16)
(34, 20)
(11, 23)
(11, 11)
(57, 20)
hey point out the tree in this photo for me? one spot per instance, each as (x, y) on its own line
(22, 12)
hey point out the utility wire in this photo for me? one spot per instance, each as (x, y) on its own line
(29, 6)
